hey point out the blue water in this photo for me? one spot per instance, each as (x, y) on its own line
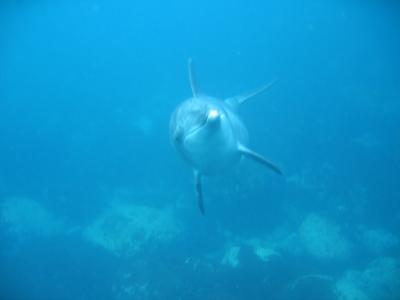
(86, 92)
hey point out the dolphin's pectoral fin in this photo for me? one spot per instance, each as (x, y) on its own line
(192, 78)
(258, 158)
(199, 191)
(237, 100)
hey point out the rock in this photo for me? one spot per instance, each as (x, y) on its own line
(24, 216)
(126, 229)
(312, 287)
(322, 239)
(263, 250)
(380, 280)
(231, 257)
(378, 241)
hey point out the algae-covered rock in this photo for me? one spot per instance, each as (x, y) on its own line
(24, 216)
(312, 287)
(231, 257)
(264, 250)
(125, 228)
(350, 287)
(323, 239)
(378, 241)
(380, 280)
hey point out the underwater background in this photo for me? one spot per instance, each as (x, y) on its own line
(96, 204)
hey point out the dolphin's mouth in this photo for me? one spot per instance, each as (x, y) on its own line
(210, 118)
(195, 130)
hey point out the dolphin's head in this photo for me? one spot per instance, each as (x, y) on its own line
(192, 119)
(206, 133)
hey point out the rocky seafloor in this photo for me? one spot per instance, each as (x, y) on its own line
(155, 255)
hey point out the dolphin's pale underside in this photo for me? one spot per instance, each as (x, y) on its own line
(210, 136)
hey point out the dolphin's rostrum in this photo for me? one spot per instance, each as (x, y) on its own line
(210, 135)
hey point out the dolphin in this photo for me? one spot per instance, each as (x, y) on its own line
(210, 136)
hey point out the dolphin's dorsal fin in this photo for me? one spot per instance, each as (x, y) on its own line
(237, 100)
(192, 80)
(199, 191)
(258, 158)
